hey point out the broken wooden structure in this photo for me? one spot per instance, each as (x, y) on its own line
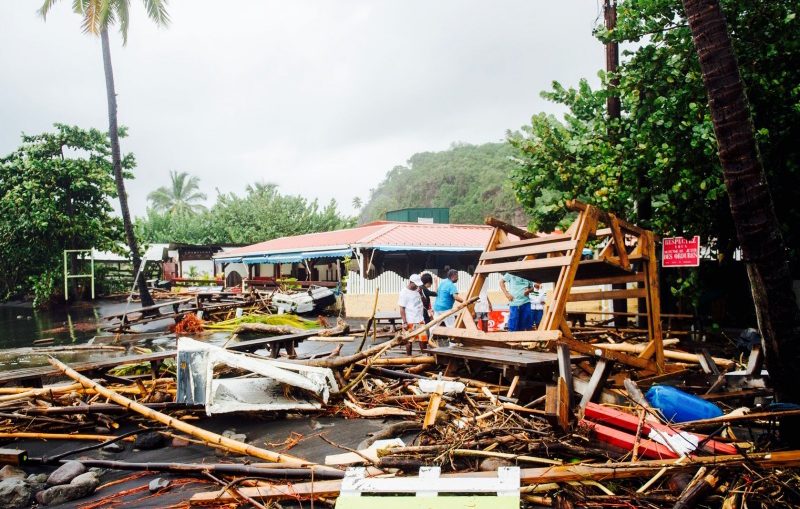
(627, 255)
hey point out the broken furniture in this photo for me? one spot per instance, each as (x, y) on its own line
(197, 385)
(361, 492)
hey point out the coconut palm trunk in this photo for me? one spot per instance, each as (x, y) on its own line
(119, 179)
(753, 212)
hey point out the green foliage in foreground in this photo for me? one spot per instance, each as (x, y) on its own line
(472, 180)
(665, 133)
(54, 195)
(261, 214)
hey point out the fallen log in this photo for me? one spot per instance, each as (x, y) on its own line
(400, 361)
(551, 474)
(204, 435)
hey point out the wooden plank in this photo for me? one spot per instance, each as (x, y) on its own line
(509, 337)
(531, 242)
(536, 249)
(596, 382)
(637, 277)
(433, 409)
(633, 293)
(628, 360)
(558, 261)
(494, 355)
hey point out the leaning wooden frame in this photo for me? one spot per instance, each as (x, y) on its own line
(629, 255)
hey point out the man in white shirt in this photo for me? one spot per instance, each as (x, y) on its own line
(538, 297)
(411, 311)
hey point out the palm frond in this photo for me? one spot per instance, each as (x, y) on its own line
(45, 8)
(124, 18)
(91, 17)
(157, 11)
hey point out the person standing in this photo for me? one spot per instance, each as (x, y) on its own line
(516, 289)
(482, 309)
(446, 296)
(411, 311)
(426, 293)
(537, 297)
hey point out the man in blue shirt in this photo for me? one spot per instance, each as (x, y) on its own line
(516, 290)
(447, 294)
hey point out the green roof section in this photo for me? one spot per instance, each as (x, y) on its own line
(436, 215)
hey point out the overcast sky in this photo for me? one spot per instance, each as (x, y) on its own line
(320, 97)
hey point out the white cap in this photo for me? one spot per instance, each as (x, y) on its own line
(416, 279)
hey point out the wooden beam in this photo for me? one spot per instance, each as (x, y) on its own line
(495, 337)
(544, 263)
(618, 240)
(536, 249)
(604, 353)
(578, 206)
(633, 293)
(653, 296)
(565, 372)
(510, 228)
(596, 382)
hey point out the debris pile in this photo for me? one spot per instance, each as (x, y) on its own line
(568, 415)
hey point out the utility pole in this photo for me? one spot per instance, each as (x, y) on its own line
(613, 108)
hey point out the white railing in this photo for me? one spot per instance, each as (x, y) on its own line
(391, 282)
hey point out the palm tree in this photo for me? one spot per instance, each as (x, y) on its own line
(180, 197)
(357, 203)
(753, 212)
(262, 188)
(98, 16)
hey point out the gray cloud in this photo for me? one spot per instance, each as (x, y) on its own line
(320, 97)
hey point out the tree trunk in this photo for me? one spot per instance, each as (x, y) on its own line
(614, 111)
(116, 160)
(753, 212)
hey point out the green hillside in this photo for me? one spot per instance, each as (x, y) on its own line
(472, 180)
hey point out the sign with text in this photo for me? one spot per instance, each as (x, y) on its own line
(680, 252)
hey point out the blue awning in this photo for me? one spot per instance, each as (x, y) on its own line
(447, 249)
(232, 259)
(296, 257)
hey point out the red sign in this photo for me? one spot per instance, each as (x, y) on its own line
(680, 252)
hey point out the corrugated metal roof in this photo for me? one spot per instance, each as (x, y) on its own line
(377, 234)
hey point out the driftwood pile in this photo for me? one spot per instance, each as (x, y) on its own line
(466, 425)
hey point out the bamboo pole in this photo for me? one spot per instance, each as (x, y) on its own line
(204, 435)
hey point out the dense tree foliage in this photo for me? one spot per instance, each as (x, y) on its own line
(182, 196)
(54, 195)
(472, 180)
(261, 214)
(663, 149)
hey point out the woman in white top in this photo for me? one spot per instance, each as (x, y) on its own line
(538, 297)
